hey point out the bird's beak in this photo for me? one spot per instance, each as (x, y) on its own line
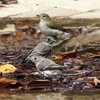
(54, 40)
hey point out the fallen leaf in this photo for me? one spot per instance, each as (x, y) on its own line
(8, 82)
(19, 35)
(66, 55)
(86, 87)
(96, 81)
(7, 68)
(90, 84)
(77, 61)
(64, 81)
(26, 22)
(79, 79)
(91, 55)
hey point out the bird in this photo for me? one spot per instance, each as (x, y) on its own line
(44, 48)
(50, 28)
(46, 67)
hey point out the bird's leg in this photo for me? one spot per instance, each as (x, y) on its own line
(46, 75)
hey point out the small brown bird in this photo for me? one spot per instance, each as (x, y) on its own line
(44, 48)
(48, 27)
(45, 66)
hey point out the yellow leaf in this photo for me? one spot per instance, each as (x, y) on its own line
(59, 57)
(7, 68)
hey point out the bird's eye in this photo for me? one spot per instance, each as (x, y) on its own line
(43, 16)
(35, 58)
(48, 39)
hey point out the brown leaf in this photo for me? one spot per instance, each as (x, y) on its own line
(67, 55)
(79, 79)
(90, 85)
(7, 81)
(19, 35)
(77, 61)
(96, 81)
(91, 55)
(64, 80)
(26, 22)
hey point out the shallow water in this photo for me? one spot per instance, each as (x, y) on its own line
(53, 96)
(59, 96)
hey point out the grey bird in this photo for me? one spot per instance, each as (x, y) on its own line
(48, 27)
(47, 67)
(44, 48)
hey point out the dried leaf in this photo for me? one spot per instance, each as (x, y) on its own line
(79, 79)
(90, 84)
(26, 22)
(92, 55)
(19, 35)
(96, 81)
(7, 81)
(7, 68)
(67, 55)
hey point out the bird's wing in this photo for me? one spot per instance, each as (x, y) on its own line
(45, 50)
(52, 66)
(54, 25)
(45, 63)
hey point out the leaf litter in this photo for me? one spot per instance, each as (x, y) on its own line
(82, 72)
